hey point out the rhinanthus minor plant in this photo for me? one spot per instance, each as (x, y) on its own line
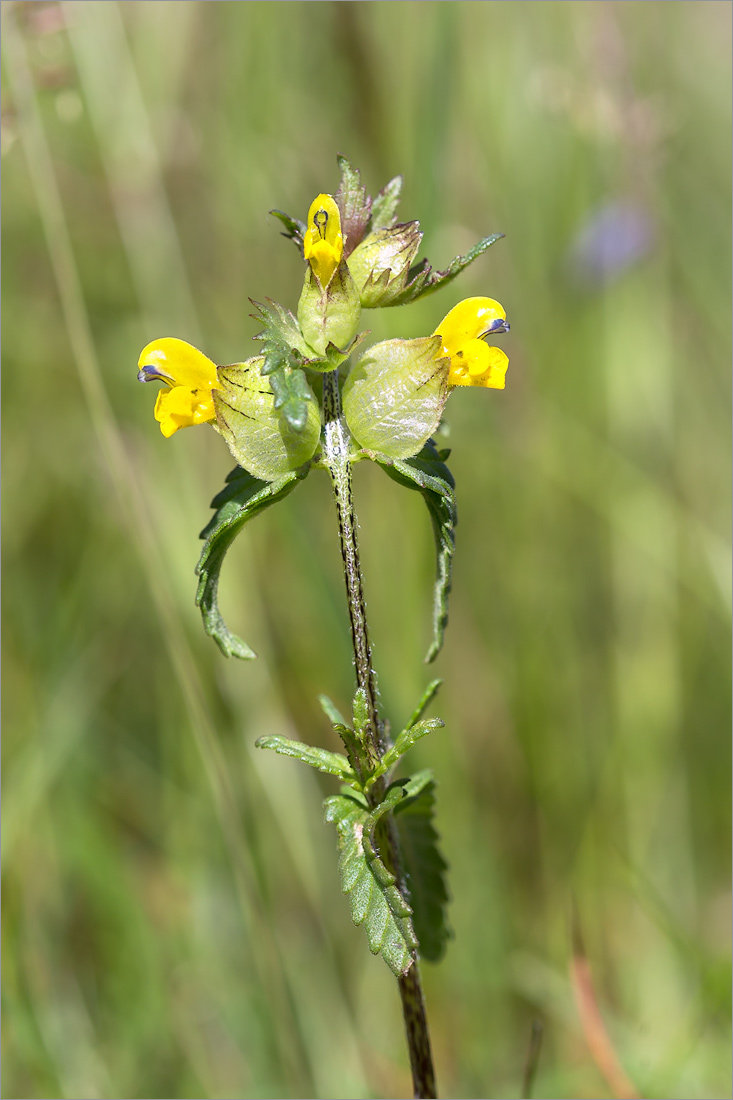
(315, 399)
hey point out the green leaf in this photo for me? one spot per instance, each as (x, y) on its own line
(285, 353)
(292, 394)
(354, 205)
(360, 712)
(375, 901)
(407, 738)
(423, 280)
(428, 695)
(415, 785)
(294, 227)
(281, 338)
(427, 474)
(393, 796)
(333, 763)
(353, 745)
(404, 742)
(410, 736)
(242, 498)
(331, 711)
(384, 205)
(425, 869)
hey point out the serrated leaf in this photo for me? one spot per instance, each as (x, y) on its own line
(354, 205)
(425, 870)
(423, 280)
(431, 477)
(292, 394)
(384, 205)
(375, 901)
(333, 763)
(280, 337)
(242, 498)
(285, 352)
(295, 229)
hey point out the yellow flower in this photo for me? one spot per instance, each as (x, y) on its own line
(189, 377)
(323, 243)
(473, 362)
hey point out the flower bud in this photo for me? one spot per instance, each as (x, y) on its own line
(329, 309)
(323, 242)
(380, 265)
(258, 434)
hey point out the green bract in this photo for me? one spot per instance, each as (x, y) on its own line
(258, 434)
(380, 265)
(330, 315)
(394, 396)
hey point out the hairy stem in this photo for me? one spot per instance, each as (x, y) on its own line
(337, 460)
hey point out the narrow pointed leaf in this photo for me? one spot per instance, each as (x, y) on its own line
(415, 785)
(426, 871)
(427, 474)
(375, 901)
(242, 498)
(384, 205)
(405, 740)
(331, 711)
(360, 711)
(394, 795)
(354, 205)
(423, 280)
(409, 737)
(428, 695)
(333, 763)
(294, 228)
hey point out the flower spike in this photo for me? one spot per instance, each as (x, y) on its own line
(189, 377)
(473, 362)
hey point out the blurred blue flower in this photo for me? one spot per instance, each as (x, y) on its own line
(614, 237)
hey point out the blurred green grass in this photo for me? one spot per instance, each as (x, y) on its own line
(173, 924)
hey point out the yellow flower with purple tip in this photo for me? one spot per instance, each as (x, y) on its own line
(189, 377)
(323, 242)
(472, 361)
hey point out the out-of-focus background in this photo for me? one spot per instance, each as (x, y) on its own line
(173, 922)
